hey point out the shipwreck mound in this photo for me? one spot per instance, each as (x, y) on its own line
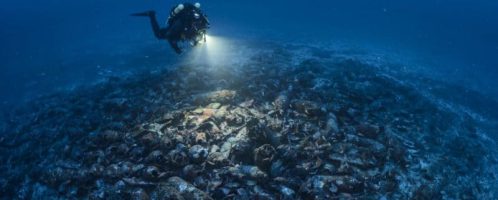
(324, 127)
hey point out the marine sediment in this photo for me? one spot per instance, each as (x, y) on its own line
(275, 127)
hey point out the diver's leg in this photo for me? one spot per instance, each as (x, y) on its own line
(153, 22)
(155, 26)
(174, 45)
(173, 34)
(144, 14)
(174, 31)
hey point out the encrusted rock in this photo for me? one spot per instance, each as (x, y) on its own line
(151, 173)
(166, 144)
(256, 131)
(263, 156)
(150, 139)
(368, 130)
(248, 171)
(287, 193)
(177, 188)
(198, 153)
(139, 194)
(156, 157)
(200, 138)
(281, 103)
(309, 108)
(331, 124)
(221, 96)
(118, 170)
(214, 105)
(319, 187)
(217, 159)
(349, 184)
(106, 137)
(137, 153)
(178, 157)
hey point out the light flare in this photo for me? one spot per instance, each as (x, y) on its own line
(214, 52)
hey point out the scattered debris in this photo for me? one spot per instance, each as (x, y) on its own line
(321, 129)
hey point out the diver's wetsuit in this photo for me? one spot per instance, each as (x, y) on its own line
(181, 25)
(164, 33)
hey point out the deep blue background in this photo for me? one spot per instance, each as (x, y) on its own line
(52, 44)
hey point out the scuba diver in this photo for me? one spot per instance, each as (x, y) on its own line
(186, 22)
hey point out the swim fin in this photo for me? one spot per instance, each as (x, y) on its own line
(144, 14)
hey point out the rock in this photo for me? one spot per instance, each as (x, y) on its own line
(94, 157)
(304, 79)
(256, 131)
(368, 130)
(166, 144)
(151, 173)
(261, 193)
(150, 139)
(200, 138)
(40, 191)
(177, 188)
(242, 193)
(214, 105)
(319, 187)
(221, 193)
(138, 182)
(113, 171)
(139, 194)
(109, 136)
(331, 125)
(287, 153)
(277, 168)
(247, 104)
(198, 153)
(190, 172)
(119, 186)
(287, 193)
(348, 184)
(220, 96)
(96, 170)
(221, 112)
(217, 159)
(123, 149)
(136, 168)
(198, 111)
(156, 157)
(247, 171)
(263, 156)
(308, 108)
(118, 170)
(137, 153)
(97, 195)
(239, 146)
(178, 157)
(281, 103)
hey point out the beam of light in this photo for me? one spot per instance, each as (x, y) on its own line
(214, 52)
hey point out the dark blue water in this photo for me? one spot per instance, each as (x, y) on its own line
(47, 45)
(430, 92)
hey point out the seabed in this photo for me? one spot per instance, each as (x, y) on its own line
(286, 122)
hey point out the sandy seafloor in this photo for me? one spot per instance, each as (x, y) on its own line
(254, 120)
